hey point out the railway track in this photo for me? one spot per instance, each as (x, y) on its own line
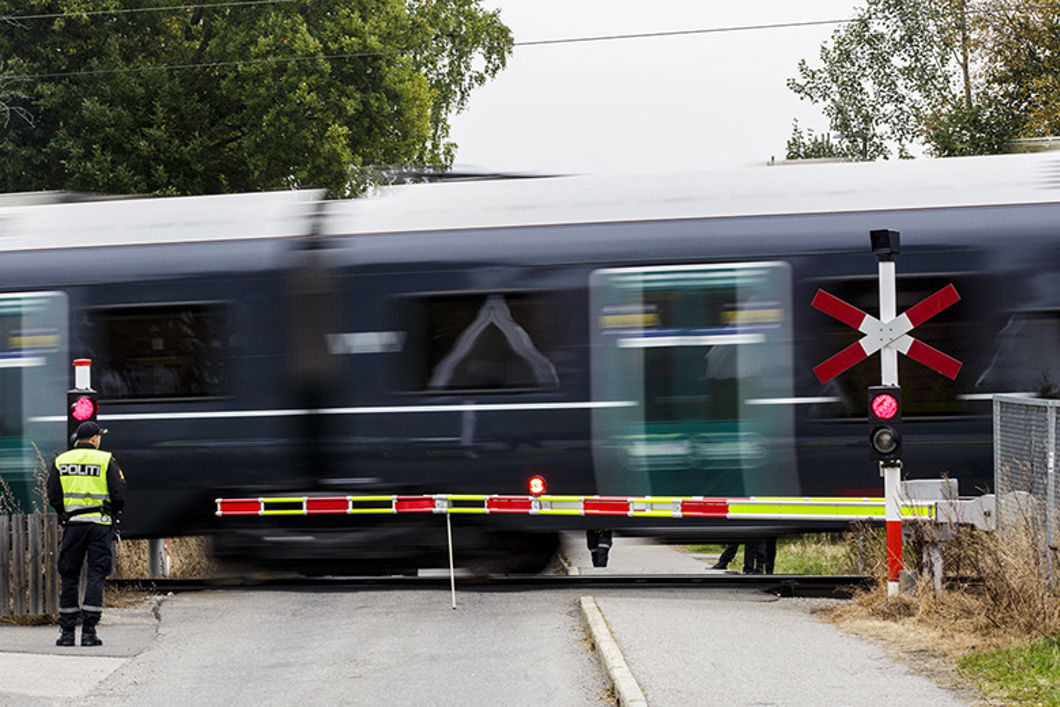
(841, 586)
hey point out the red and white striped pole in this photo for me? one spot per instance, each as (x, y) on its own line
(891, 471)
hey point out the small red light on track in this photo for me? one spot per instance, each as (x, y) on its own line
(537, 485)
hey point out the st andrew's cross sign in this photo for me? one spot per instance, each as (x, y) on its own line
(893, 334)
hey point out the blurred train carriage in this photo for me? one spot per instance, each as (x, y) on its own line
(615, 335)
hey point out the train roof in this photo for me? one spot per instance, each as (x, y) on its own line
(809, 188)
(751, 191)
(48, 223)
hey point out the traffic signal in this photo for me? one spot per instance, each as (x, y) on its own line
(885, 423)
(81, 406)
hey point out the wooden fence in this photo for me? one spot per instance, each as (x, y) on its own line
(29, 583)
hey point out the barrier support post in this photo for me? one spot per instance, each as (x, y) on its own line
(891, 471)
(452, 572)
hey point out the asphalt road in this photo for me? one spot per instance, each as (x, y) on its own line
(361, 648)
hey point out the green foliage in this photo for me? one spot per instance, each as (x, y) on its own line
(983, 129)
(959, 77)
(1024, 675)
(235, 98)
(881, 74)
(1022, 40)
(810, 146)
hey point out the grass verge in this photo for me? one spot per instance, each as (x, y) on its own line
(1022, 675)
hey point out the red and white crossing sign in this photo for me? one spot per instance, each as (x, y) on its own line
(890, 335)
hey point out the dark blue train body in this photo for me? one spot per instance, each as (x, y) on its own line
(614, 335)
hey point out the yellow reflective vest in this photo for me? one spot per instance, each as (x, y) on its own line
(83, 477)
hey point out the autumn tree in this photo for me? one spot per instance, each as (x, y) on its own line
(1022, 39)
(901, 73)
(122, 97)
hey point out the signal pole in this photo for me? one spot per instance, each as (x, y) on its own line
(885, 244)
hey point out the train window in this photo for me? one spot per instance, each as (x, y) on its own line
(685, 361)
(1026, 356)
(159, 351)
(483, 342)
(34, 376)
(925, 392)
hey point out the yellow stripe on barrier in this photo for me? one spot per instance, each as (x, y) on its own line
(759, 508)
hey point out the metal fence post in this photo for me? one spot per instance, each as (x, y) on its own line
(1050, 482)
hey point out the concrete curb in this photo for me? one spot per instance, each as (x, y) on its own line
(627, 691)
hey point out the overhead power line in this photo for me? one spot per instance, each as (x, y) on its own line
(357, 55)
(393, 52)
(681, 32)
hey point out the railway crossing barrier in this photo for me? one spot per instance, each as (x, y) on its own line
(919, 506)
(928, 501)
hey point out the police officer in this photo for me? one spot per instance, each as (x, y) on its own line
(87, 489)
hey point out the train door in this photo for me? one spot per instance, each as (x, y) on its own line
(691, 366)
(34, 369)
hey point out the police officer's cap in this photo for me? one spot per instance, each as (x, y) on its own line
(88, 430)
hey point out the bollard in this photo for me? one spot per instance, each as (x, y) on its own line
(158, 557)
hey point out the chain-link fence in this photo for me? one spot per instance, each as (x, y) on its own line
(1025, 446)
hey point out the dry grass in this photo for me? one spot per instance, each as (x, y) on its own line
(189, 558)
(1001, 588)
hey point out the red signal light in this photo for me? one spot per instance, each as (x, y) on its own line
(884, 406)
(537, 485)
(83, 409)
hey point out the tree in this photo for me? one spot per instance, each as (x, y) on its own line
(811, 146)
(901, 73)
(1022, 39)
(222, 97)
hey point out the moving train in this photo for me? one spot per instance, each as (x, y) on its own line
(617, 335)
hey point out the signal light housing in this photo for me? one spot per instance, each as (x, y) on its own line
(81, 406)
(885, 423)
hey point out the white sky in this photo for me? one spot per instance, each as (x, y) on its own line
(636, 105)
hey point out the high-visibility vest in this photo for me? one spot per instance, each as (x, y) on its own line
(83, 477)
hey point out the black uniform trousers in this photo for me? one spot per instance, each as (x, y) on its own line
(81, 540)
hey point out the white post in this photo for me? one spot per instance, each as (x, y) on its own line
(892, 474)
(452, 574)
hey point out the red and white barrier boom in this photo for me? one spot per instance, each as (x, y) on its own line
(751, 508)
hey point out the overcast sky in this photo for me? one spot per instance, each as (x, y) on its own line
(636, 105)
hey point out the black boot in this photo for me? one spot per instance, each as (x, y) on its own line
(89, 637)
(66, 638)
